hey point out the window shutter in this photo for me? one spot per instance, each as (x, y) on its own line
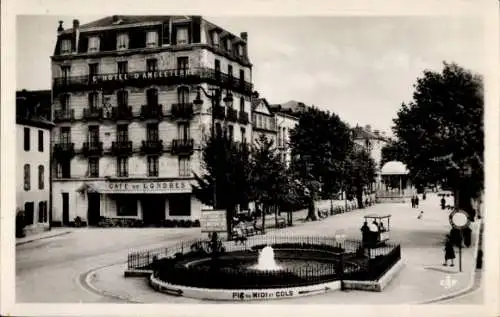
(173, 36)
(196, 29)
(83, 44)
(165, 34)
(137, 38)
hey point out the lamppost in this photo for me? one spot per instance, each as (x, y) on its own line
(214, 96)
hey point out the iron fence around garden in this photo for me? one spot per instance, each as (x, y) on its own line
(359, 263)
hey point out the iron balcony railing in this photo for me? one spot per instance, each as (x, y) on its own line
(232, 115)
(243, 117)
(92, 114)
(182, 110)
(122, 113)
(182, 146)
(64, 115)
(121, 147)
(64, 150)
(92, 148)
(144, 78)
(151, 111)
(152, 146)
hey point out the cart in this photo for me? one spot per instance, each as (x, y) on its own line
(375, 238)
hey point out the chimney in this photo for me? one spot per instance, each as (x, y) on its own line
(115, 18)
(76, 33)
(244, 36)
(60, 29)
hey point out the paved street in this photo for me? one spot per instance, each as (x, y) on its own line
(57, 264)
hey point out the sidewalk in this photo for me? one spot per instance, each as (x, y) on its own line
(54, 232)
(423, 278)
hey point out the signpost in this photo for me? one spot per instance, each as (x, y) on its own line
(213, 220)
(459, 220)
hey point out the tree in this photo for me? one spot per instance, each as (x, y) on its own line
(392, 151)
(319, 144)
(268, 176)
(360, 173)
(441, 130)
(226, 165)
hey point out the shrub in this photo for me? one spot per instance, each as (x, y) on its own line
(169, 223)
(189, 223)
(182, 223)
(175, 223)
(196, 223)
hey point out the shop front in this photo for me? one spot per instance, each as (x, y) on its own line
(150, 201)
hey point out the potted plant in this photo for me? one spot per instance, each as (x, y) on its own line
(77, 221)
(20, 223)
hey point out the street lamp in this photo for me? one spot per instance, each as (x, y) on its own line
(214, 96)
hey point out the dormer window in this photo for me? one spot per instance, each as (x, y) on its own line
(122, 42)
(215, 38)
(152, 39)
(228, 45)
(94, 44)
(240, 49)
(182, 35)
(65, 46)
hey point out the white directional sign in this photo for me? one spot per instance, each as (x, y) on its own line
(459, 219)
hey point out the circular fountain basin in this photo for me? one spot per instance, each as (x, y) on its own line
(250, 275)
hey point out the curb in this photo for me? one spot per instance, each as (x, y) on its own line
(472, 277)
(42, 238)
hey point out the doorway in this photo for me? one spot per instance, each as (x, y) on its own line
(65, 207)
(94, 208)
(153, 209)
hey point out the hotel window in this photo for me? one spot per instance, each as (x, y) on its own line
(27, 183)
(217, 66)
(183, 132)
(152, 65)
(243, 135)
(42, 211)
(40, 141)
(93, 69)
(215, 38)
(93, 167)
(29, 212)
(152, 39)
(65, 135)
(242, 76)
(182, 64)
(122, 42)
(240, 50)
(27, 139)
(184, 166)
(93, 100)
(152, 97)
(65, 71)
(182, 35)
(93, 135)
(228, 45)
(183, 95)
(152, 132)
(218, 129)
(63, 169)
(152, 166)
(41, 176)
(242, 104)
(122, 67)
(94, 44)
(122, 167)
(65, 46)
(230, 71)
(126, 206)
(231, 132)
(122, 133)
(122, 98)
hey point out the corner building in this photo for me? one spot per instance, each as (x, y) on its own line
(128, 136)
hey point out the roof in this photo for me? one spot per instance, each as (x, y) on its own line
(394, 168)
(363, 133)
(257, 101)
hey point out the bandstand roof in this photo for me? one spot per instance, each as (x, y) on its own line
(394, 168)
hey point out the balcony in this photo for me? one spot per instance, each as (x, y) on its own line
(243, 117)
(182, 146)
(152, 147)
(121, 148)
(122, 113)
(151, 112)
(143, 79)
(182, 110)
(219, 113)
(92, 149)
(232, 115)
(92, 114)
(64, 150)
(64, 115)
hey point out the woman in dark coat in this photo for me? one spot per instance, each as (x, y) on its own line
(449, 252)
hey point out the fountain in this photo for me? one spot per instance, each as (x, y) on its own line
(266, 261)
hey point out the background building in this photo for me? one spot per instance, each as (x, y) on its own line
(33, 160)
(128, 136)
(286, 120)
(263, 120)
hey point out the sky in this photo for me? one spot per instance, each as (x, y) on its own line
(361, 68)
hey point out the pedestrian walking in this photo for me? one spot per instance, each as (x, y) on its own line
(416, 201)
(449, 252)
(412, 201)
(443, 203)
(424, 196)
